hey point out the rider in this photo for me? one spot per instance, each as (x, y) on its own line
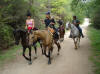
(29, 22)
(50, 22)
(76, 22)
(60, 22)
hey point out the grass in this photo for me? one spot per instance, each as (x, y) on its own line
(8, 54)
(94, 36)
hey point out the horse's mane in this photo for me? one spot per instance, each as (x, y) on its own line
(73, 26)
(21, 31)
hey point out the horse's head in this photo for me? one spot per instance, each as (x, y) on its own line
(32, 37)
(68, 25)
(16, 36)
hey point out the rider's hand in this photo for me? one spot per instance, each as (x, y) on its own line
(32, 28)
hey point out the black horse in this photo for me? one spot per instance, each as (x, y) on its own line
(22, 35)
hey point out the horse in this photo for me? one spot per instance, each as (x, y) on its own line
(22, 35)
(61, 31)
(47, 41)
(76, 36)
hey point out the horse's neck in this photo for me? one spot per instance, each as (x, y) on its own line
(44, 37)
(38, 35)
(73, 27)
(23, 38)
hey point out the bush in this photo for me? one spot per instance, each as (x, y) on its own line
(6, 37)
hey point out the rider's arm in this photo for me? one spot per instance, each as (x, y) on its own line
(78, 22)
(52, 22)
(26, 25)
(33, 23)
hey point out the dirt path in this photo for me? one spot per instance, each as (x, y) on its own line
(70, 61)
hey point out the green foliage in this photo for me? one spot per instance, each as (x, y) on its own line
(89, 9)
(95, 43)
(62, 9)
(12, 15)
(95, 15)
(6, 37)
(80, 9)
(12, 12)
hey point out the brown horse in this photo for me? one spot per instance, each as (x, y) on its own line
(61, 31)
(47, 41)
(22, 35)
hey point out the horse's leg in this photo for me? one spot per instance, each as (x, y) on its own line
(42, 48)
(58, 45)
(75, 43)
(30, 61)
(45, 51)
(51, 49)
(79, 42)
(24, 49)
(35, 48)
(49, 56)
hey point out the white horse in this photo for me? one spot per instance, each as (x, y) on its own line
(74, 33)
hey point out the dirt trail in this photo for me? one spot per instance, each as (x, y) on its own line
(70, 61)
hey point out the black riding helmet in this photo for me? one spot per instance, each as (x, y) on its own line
(28, 13)
(48, 13)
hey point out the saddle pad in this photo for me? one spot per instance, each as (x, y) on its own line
(51, 30)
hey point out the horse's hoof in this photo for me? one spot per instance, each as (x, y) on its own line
(58, 54)
(42, 53)
(35, 57)
(30, 63)
(75, 48)
(49, 63)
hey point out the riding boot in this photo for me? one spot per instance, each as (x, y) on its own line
(82, 35)
(80, 30)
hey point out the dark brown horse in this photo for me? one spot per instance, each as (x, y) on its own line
(61, 31)
(47, 41)
(22, 35)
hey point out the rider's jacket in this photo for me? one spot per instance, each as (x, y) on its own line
(48, 23)
(76, 21)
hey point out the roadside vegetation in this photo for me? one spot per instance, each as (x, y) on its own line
(9, 54)
(94, 35)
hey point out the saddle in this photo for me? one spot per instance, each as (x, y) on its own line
(54, 33)
(51, 30)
